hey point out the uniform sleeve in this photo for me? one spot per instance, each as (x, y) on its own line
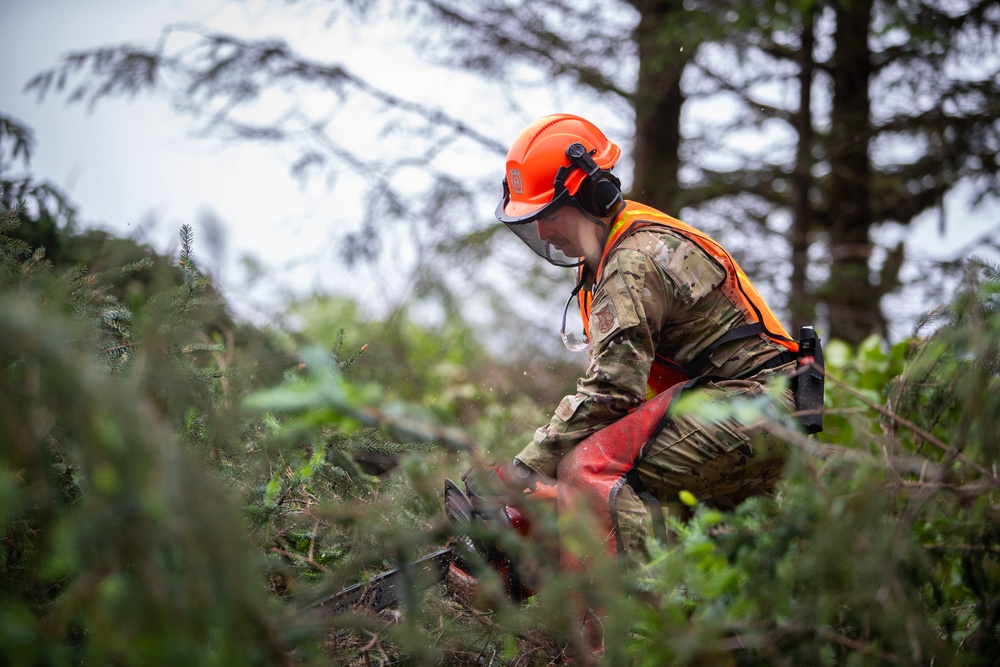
(627, 315)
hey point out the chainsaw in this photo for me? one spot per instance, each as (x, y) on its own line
(469, 551)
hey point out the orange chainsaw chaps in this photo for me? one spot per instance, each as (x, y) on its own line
(593, 472)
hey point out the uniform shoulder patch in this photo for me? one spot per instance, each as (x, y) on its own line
(607, 319)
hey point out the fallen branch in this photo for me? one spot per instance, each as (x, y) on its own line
(304, 559)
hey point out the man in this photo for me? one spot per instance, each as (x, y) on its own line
(665, 309)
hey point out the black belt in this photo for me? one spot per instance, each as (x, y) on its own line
(780, 359)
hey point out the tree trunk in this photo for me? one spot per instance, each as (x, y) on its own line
(800, 301)
(658, 102)
(852, 300)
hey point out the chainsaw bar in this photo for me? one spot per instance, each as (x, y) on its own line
(388, 588)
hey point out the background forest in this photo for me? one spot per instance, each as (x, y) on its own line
(179, 483)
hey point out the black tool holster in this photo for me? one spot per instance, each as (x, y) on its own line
(809, 380)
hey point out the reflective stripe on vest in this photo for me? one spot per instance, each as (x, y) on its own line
(737, 288)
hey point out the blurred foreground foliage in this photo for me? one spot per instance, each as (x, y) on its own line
(177, 489)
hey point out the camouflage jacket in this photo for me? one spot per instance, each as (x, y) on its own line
(658, 293)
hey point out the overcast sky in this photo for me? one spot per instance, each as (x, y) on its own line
(132, 165)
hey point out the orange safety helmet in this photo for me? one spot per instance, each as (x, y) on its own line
(546, 166)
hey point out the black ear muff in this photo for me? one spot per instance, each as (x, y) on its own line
(601, 197)
(607, 197)
(600, 193)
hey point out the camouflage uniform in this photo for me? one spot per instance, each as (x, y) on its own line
(660, 293)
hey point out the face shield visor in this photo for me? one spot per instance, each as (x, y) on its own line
(524, 223)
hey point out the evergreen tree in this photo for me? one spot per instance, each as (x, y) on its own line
(838, 167)
(885, 107)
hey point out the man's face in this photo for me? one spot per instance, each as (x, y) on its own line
(572, 232)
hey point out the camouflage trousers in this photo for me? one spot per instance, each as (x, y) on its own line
(633, 483)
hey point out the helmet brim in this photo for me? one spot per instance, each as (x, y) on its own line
(518, 213)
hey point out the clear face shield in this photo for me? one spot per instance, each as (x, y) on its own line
(526, 228)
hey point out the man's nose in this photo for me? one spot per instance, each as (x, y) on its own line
(546, 229)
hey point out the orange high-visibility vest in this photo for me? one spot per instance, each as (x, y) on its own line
(737, 287)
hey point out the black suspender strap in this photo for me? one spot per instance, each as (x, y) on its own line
(656, 516)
